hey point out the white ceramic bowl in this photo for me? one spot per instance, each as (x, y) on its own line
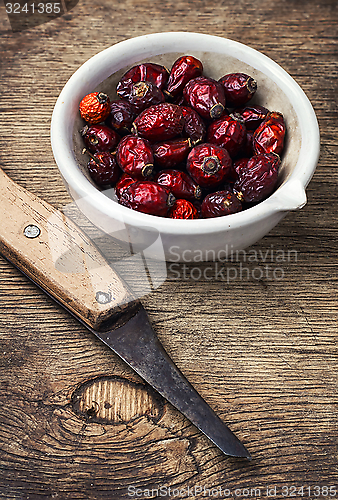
(205, 239)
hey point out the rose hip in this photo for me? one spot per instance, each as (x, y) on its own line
(159, 123)
(219, 204)
(144, 94)
(124, 181)
(194, 126)
(227, 132)
(238, 164)
(180, 184)
(209, 165)
(135, 157)
(252, 115)
(103, 169)
(239, 88)
(99, 138)
(206, 96)
(168, 154)
(145, 72)
(183, 209)
(94, 107)
(147, 197)
(184, 69)
(270, 134)
(121, 116)
(258, 178)
(247, 146)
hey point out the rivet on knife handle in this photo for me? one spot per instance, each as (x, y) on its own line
(42, 243)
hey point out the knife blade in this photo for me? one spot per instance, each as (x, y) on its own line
(95, 294)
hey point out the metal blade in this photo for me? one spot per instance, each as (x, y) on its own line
(137, 344)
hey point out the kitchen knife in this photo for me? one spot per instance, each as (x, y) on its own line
(30, 229)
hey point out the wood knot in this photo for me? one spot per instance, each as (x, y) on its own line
(115, 400)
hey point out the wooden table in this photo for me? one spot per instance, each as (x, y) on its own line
(262, 350)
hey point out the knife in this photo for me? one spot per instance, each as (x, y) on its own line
(95, 294)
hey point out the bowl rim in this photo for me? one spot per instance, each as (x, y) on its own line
(70, 96)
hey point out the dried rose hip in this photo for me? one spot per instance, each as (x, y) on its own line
(168, 154)
(227, 132)
(103, 169)
(258, 178)
(269, 136)
(239, 88)
(144, 94)
(206, 96)
(135, 156)
(194, 126)
(99, 138)
(95, 107)
(252, 115)
(184, 69)
(219, 204)
(159, 123)
(247, 146)
(180, 184)
(238, 164)
(121, 116)
(124, 181)
(183, 209)
(147, 197)
(209, 165)
(146, 72)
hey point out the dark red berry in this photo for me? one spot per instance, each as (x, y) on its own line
(135, 156)
(121, 116)
(239, 88)
(219, 204)
(180, 184)
(258, 178)
(194, 126)
(170, 153)
(183, 209)
(94, 107)
(247, 146)
(252, 115)
(103, 169)
(209, 165)
(124, 181)
(144, 72)
(270, 134)
(227, 132)
(206, 96)
(99, 138)
(184, 69)
(147, 197)
(144, 94)
(238, 164)
(159, 123)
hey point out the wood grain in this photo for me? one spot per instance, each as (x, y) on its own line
(262, 350)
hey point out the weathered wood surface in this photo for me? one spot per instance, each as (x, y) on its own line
(75, 422)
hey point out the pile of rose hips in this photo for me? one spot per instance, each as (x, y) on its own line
(181, 145)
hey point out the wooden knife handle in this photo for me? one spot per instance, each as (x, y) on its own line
(51, 250)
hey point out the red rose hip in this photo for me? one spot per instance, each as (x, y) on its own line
(103, 169)
(183, 209)
(209, 165)
(168, 154)
(252, 115)
(147, 197)
(194, 126)
(184, 69)
(270, 134)
(135, 157)
(121, 116)
(205, 96)
(99, 138)
(159, 123)
(239, 88)
(143, 95)
(124, 181)
(180, 184)
(227, 132)
(258, 178)
(144, 72)
(219, 204)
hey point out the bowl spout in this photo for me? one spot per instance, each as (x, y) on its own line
(291, 196)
